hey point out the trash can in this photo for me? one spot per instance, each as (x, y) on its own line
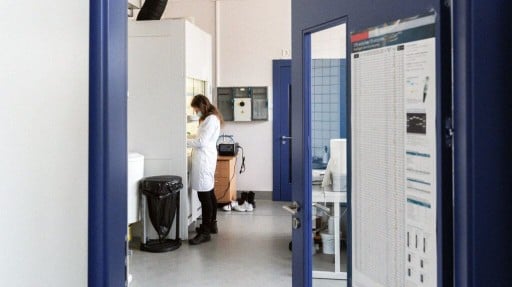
(161, 200)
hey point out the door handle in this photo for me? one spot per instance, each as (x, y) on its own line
(285, 138)
(293, 208)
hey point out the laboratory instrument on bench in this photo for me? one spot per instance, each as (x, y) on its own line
(227, 146)
(228, 149)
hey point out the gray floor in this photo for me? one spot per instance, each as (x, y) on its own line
(251, 249)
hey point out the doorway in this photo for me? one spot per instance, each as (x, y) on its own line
(113, 177)
(259, 238)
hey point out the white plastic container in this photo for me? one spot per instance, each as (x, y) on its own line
(135, 174)
(339, 182)
(327, 243)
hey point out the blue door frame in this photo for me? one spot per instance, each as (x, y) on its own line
(281, 127)
(302, 264)
(483, 142)
(107, 142)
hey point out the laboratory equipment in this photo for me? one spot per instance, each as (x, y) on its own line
(242, 110)
(226, 145)
(243, 104)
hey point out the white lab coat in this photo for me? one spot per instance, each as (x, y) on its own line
(204, 154)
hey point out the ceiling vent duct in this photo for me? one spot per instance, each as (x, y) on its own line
(152, 10)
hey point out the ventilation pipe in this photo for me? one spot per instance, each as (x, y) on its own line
(152, 10)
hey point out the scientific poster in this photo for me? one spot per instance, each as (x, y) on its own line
(393, 93)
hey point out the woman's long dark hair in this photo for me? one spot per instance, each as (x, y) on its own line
(203, 104)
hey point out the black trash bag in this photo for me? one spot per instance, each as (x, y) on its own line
(162, 197)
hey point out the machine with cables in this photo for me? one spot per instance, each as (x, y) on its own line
(227, 162)
(226, 146)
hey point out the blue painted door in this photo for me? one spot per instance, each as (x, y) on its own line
(311, 16)
(282, 74)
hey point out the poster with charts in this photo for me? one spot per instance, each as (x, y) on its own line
(393, 95)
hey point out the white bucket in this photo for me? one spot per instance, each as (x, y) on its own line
(327, 243)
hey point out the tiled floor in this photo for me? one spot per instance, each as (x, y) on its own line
(251, 249)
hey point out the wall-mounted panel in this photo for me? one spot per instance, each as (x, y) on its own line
(243, 104)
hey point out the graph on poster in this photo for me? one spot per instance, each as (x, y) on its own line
(393, 80)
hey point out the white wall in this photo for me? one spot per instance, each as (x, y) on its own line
(43, 148)
(329, 43)
(252, 34)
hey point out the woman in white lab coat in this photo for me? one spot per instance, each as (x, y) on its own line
(204, 161)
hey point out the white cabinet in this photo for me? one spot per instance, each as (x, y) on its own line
(162, 57)
(135, 174)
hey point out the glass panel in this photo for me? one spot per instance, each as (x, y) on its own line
(328, 154)
(199, 87)
(259, 103)
(225, 105)
(193, 87)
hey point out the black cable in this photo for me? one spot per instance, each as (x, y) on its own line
(242, 166)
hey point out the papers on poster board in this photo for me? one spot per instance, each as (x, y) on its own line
(393, 93)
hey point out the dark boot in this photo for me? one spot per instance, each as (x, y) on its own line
(200, 238)
(213, 228)
(250, 199)
(199, 229)
(243, 198)
(206, 213)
